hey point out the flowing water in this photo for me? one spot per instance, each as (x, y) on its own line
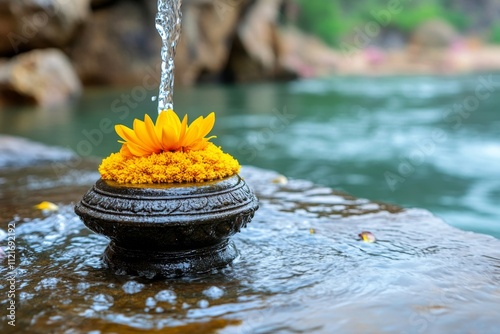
(168, 24)
(394, 139)
(301, 268)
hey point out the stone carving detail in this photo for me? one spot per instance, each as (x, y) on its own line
(226, 199)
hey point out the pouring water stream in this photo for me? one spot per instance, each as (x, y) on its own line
(168, 24)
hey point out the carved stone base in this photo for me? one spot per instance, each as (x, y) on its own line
(168, 264)
(169, 229)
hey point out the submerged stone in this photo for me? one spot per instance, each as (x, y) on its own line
(421, 275)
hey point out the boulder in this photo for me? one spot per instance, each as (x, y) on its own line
(29, 24)
(434, 34)
(43, 77)
(258, 49)
(208, 32)
(99, 3)
(118, 46)
(127, 52)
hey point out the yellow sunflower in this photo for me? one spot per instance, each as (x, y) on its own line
(169, 134)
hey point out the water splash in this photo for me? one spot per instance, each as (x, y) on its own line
(168, 24)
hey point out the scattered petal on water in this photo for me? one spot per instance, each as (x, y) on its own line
(312, 231)
(280, 180)
(367, 236)
(47, 206)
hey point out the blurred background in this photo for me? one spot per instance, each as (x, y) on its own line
(391, 100)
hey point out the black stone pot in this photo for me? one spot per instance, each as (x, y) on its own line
(168, 230)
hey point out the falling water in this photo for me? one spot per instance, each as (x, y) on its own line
(168, 24)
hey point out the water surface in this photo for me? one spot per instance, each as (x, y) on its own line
(393, 139)
(302, 268)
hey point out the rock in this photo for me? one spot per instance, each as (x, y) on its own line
(118, 46)
(258, 48)
(43, 77)
(208, 31)
(99, 3)
(306, 55)
(20, 152)
(215, 41)
(434, 34)
(127, 52)
(29, 24)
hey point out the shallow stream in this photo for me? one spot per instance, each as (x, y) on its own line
(302, 268)
(371, 137)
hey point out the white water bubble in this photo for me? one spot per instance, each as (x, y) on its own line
(214, 292)
(102, 302)
(203, 303)
(132, 287)
(166, 296)
(150, 302)
(47, 283)
(3, 234)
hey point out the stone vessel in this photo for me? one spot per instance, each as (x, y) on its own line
(168, 230)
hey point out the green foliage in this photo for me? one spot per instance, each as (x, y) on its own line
(321, 18)
(461, 21)
(495, 34)
(413, 16)
(332, 20)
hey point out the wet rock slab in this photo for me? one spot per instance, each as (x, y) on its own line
(17, 152)
(302, 268)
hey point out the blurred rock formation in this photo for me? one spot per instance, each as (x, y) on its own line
(43, 77)
(115, 42)
(31, 24)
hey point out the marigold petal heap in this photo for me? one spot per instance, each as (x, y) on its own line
(205, 165)
(168, 151)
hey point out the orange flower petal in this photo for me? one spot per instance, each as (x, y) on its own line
(150, 128)
(128, 135)
(137, 150)
(207, 125)
(125, 151)
(169, 141)
(142, 133)
(183, 128)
